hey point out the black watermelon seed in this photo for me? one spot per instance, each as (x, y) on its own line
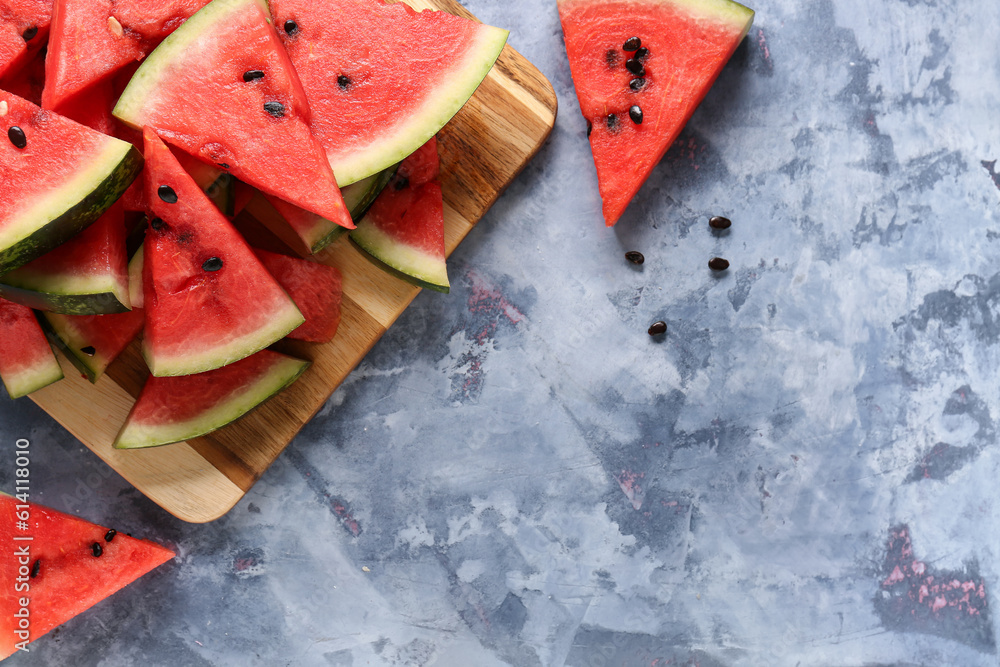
(29, 34)
(631, 44)
(212, 264)
(110, 535)
(635, 113)
(96, 549)
(252, 74)
(276, 109)
(612, 121)
(157, 223)
(658, 328)
(223, 165)
(343, 81)
(641, 53)
(635, 257)
(719, 222)
(89, 350)
(637, 84)
(167, 194)
(635, 67)
(16, 136)
(401, 183)
(291, 27)
(590, 128)
(611, 57)
(718, 264)
(35, 567)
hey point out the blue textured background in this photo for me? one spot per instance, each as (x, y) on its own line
(802, 472)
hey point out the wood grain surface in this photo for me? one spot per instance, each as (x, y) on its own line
(482, 149)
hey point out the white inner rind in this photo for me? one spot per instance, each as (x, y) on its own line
(31, 379)
(134, 435)
(405, 259)
(52, 203)
(226, 352)
(424, 122)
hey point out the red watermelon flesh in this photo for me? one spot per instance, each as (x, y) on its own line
(90, 40)
(315, 288)
(26, 359)
(687, 43)
(381, 78)
(24, 29)
(404, 229)
(197, 264)
(58, 572)
(28, 80)
(195, 90)
(92, 342)
(172, 409)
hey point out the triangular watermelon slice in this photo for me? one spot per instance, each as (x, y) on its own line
(221, 87)
(58, 566)
(208, 299)
(381, 78)
(58, 177)
(90, 40)
(640, 68)
(403, 231)
(27, 362)
(315, 288)
(92, 342)
(173, 409)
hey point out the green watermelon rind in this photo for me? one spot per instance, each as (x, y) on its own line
(44, 372)
(158, 65)
(69, 208)
(76, 296)
(190, 362)
(358, 197)
(62, 335)
(139, 436)
(458, 85)
(402, 261)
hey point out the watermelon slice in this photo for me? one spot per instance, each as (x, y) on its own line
(381, 78)
(27, 82)
(24, 29)
(404, 229)
(197, 263)
(638, 95)
(221, 87)
(315, 288)
(173, 409)
(68, 566)
(90, 40)
(27, 362)
(92, 342)
(59, 177)
(87, 275)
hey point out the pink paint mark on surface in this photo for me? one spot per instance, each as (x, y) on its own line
(628, 481)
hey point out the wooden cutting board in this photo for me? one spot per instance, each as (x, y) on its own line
(482, 149)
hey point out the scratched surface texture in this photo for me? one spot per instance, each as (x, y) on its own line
(803, 471)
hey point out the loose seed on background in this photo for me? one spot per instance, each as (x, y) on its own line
(658, 328)
(29, 33)
(635, 257)
(637, 84)
(719, 222)
(252, 74)
(212, 264)
(167, 194)
(635, 113)
(96, 549)
(631, 44)
(718, 264)
(276, 109)
(16, 136)
(291, 27)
